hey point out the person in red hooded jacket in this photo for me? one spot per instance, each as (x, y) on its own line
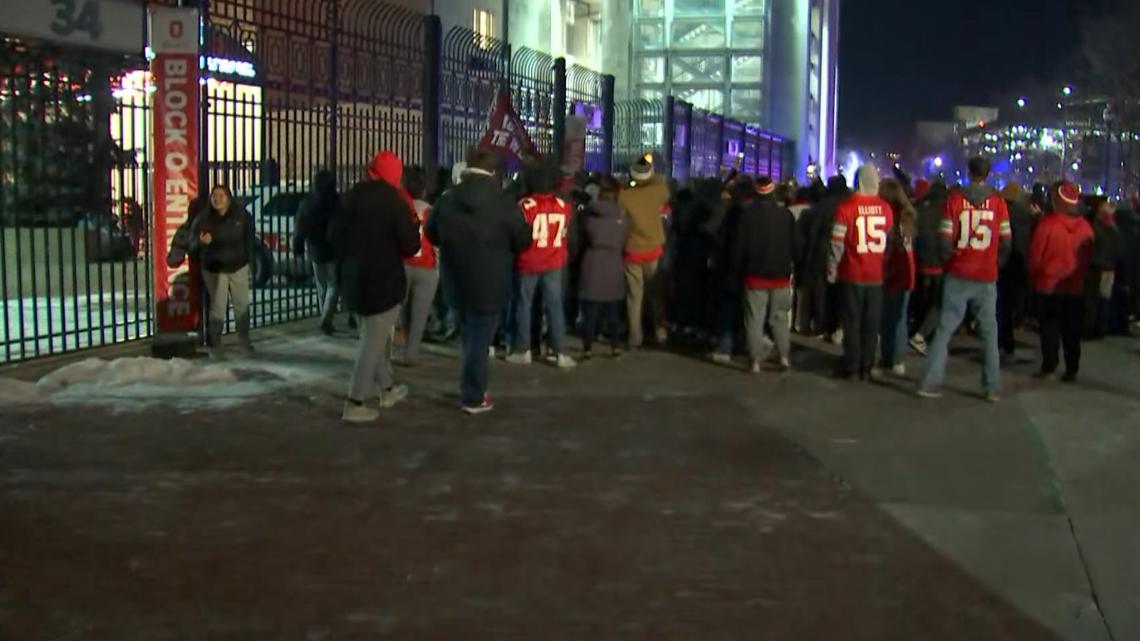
(377, 229)
(1059, 258)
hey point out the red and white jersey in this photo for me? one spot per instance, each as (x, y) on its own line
(974, 232)
(860, 229)
(548, 217)
(425, 257)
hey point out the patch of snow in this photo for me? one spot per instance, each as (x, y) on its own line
(15, 392)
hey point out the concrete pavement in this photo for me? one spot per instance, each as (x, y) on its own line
(653, 497)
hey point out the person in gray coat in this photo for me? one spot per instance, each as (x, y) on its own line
(601, 284)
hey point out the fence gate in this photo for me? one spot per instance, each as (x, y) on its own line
(472, 69)
(73, 192)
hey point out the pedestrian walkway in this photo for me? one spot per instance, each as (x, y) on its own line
(657, 496)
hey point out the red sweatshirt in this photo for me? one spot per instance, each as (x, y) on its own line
(548, 217)
(1060, 254)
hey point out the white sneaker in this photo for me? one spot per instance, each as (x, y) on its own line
(918, 344)
(491, 352)
(393, 395)
(721, 359)
(875, 374)
(899, 370)
(926, 393)
(755, 368)
(520, 358)
(565, 362)
(837, 337)
(662, 336)
(354, 413)
(785, 364)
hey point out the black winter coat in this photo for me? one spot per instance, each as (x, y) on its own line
(767, 241)
(375, 231)
(314, 215)
(479, 231)
(231, 239)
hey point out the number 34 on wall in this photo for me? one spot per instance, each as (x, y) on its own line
(73, 16)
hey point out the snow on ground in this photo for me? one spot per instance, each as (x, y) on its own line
(135, 383)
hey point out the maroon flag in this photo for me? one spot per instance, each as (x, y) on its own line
(506, 132)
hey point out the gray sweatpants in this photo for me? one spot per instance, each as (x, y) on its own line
(773, 306)
(373, 371)
(222, 288)
(422, 283)
(327, 294)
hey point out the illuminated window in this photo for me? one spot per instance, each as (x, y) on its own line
(483, 24)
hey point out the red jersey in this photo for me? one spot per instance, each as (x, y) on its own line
(425, 257)
(548, 217)
(1060, 254)
(975, 232)
(861, 225)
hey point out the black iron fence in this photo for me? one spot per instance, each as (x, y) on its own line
(289, 87)
(693, 142)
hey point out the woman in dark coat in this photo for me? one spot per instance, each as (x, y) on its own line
(222, 238)
(601, 282)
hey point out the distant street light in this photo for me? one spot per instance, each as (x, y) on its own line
(1067, 90)
(938, 161)
(1021, 103)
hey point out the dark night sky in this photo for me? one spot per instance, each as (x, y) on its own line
(906, 60)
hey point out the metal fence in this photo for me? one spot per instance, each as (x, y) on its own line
(289, 87)
(694, 143)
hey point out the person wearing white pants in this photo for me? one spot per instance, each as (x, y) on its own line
(222, 238)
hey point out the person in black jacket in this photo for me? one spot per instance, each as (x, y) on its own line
(926, 302)
(764, 256)
(376, 231)
(1013, 280)
(814, 226)
(479, 231)
(312, 241)
(222, 238)
(725, 284)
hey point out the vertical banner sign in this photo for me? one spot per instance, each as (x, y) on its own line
(174, 39)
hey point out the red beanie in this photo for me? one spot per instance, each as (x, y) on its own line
(388, 167)
(1066, 197)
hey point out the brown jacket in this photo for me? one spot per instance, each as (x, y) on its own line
(644, 202)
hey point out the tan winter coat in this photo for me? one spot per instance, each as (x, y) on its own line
(644, 203)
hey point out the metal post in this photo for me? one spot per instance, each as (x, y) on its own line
(334, 88)
(669, 134)
(203, 111)
(720, 145)
(688, 140)
(559, 108)
(608, 124)
(433, 47)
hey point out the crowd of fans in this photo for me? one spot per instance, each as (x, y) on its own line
(512, 264)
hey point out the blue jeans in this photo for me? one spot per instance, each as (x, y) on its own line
(893, 332)
(476, 333)
(551, 283)
(958, 295)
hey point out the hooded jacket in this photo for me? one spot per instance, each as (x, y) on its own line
(377, 230)
(1060, 254)
(927, 246)
(766, 247)
(602, 277)
(975, 235)
(644, 201)
(231, 242)
(815, 232)
(479, 231)
(314, 215)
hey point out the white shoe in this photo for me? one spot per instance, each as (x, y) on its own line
(393, 395)
(565, 362)
(875, 374)
(520, 358)
(721, 359)
(491, 352)
(755, 368)
(785, 364)
(918, 344)
(354, 413)
(662, 336)
(899, 370)
(837, 337)
(926, 393)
